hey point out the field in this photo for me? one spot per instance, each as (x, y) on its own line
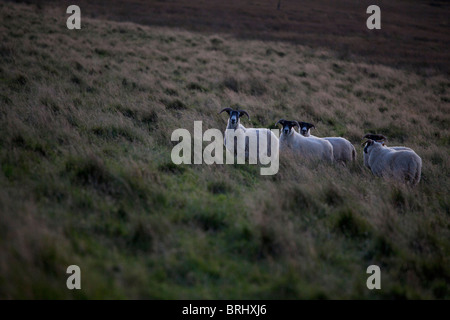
(86, 176)
(414, 34)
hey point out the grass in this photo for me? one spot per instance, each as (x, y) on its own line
(413, 35)
(86, 177)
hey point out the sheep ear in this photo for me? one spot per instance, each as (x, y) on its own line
(228, 110)
(364, 143)
(296, 124)
(307, 124)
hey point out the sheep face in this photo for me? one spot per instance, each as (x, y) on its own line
(366, 155)
(366, 145)
(288, 126)
(305, 128)
(369, 145)
(234, 119)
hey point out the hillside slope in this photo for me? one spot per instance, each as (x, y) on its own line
(414, 33)
(86, 177)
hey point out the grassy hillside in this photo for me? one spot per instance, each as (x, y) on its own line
(414, 33)
(86, 177)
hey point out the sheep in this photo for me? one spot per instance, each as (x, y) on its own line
(250, 137)
(378, 138)
(402, 165)
(343, 150)
(312, 147)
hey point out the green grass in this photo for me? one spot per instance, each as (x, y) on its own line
(86, 177)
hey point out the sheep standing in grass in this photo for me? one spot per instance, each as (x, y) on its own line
(403, 165)
(343, 150)
(309, 147)
(379, 138)
(257, 137)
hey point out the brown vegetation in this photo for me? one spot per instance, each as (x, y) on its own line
(86, 176)
(414, 34)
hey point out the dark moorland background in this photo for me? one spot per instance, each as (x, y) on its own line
(414, 32)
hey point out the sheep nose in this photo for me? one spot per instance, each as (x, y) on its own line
(303, 131)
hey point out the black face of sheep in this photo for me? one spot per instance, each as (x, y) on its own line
(235, 115)
(305, 126)
(287, 125)
(367, 144)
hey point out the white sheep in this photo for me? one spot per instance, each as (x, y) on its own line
(252, 139)
(378, 138)
(311, 147)
(343, 150)
(402, 165)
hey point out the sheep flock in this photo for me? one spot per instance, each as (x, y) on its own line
(398, 163)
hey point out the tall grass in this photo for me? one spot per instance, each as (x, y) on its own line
(86, 177)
